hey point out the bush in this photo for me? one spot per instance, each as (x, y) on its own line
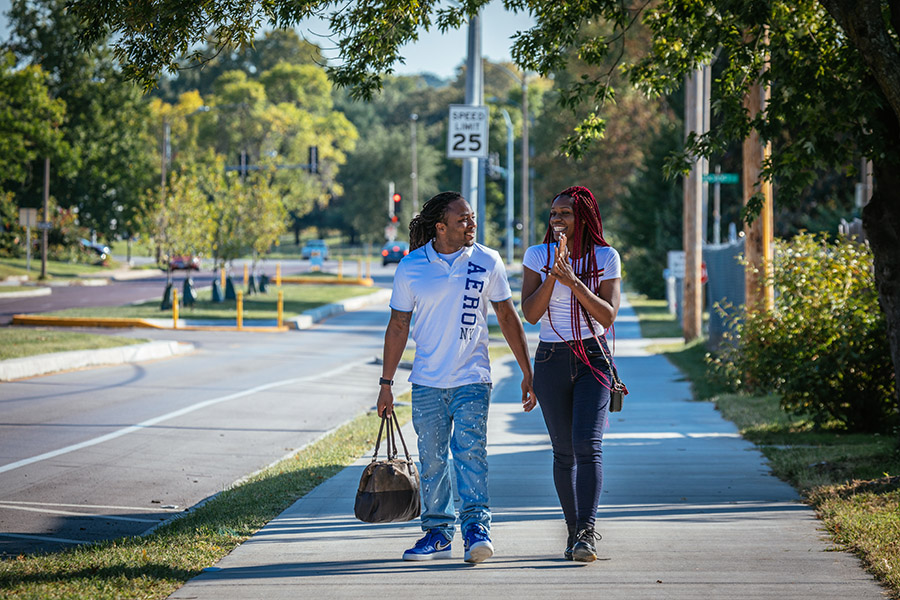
(824, 348)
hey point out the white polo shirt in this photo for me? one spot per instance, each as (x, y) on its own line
(560, 307)
(451, 305)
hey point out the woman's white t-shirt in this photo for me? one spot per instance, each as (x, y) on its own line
(559, 310)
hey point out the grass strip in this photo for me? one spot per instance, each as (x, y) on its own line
(19, 342)
(297, 298)
(156, 565)
(15, 267)
(850, 479)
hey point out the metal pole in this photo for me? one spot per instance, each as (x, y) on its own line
(510, 201)
(526, 203)
(414, 176)
(717, 208)
(474, 97)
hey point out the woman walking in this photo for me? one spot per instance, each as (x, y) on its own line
(571, 285)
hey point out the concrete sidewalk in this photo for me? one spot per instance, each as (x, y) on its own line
(689, 510)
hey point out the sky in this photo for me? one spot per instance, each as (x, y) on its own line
(433, 53)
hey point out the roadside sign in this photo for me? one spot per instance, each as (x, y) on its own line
(27, 217)
(676, 263)
(45, 225)
(721, 178)
(467, 133)
(390, 232)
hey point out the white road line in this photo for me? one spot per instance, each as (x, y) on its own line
(172, 415)
(138, 508)
(42, 538)
(76, 514)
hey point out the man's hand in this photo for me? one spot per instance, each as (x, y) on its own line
(385, 401)
(529, 400)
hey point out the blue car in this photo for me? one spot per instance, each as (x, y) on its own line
(102, 251)
(393, 252)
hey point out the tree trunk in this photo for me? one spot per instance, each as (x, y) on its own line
(881, 221)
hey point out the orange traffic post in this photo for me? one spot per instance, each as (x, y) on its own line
(359, 269)
(246, 275)
(240, 309)
(174, 308)
(222, 280)
(340, 268)
(278, 275)
(280, 307)
(368, 267)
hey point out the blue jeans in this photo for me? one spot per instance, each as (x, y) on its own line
(574, 406)
(452, 420)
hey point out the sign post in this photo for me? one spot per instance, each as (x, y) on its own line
(28, 219)
(718, 178)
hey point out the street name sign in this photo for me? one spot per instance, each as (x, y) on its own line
(467, 133)
(721, 178)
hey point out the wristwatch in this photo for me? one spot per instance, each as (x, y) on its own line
(383, 381)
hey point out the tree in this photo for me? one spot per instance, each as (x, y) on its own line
(833, 67)
(106, 121)
(29, 124)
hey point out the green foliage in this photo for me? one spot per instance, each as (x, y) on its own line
(11, 234)
(824, 347)
(106, 121)
(29, 122)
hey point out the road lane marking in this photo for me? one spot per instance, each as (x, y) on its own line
(42, 538)
(76, 514)
(138, 508)
(177, 413)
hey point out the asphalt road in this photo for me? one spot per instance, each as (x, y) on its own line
(102, 453)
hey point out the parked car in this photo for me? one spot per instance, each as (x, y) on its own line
(393, 252)
(187, 262)
(102, 251)
(317, 247)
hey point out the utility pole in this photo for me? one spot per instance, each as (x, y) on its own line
(692, 309)
(474, 97)
(414, 176)
(44, 227)
(758, 236)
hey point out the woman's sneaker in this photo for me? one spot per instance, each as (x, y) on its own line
(433, 545)
(477, 544)
(584, 549)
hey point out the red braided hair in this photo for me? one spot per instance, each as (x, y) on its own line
(588, 235)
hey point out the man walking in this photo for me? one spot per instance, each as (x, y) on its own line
(447, 280)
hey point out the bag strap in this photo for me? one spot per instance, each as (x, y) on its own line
(612, 367)
(402, 441)
(390, 435)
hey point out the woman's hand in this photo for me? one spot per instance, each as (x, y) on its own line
(562, 269)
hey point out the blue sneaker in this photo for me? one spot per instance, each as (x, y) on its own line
(433, 545)
(477, 543)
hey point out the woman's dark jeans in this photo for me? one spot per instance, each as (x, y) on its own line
(574, 405)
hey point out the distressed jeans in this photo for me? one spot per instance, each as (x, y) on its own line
(452, 421)
(574, 406)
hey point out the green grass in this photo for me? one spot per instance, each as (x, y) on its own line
(19, 342)
(297, 298)
(852, 480)
(655, 319)
(9, 289)
(156, 565)
(15, 267)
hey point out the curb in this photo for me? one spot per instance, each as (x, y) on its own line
(42, 364)
(314, 315)
(303, 321)
(38, 291)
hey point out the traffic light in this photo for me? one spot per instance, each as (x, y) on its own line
(396, 211)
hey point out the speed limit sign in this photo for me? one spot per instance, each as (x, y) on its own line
(467, 135)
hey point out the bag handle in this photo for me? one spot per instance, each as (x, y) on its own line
(390, 438)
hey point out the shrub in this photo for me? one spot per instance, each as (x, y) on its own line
(824, 347)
